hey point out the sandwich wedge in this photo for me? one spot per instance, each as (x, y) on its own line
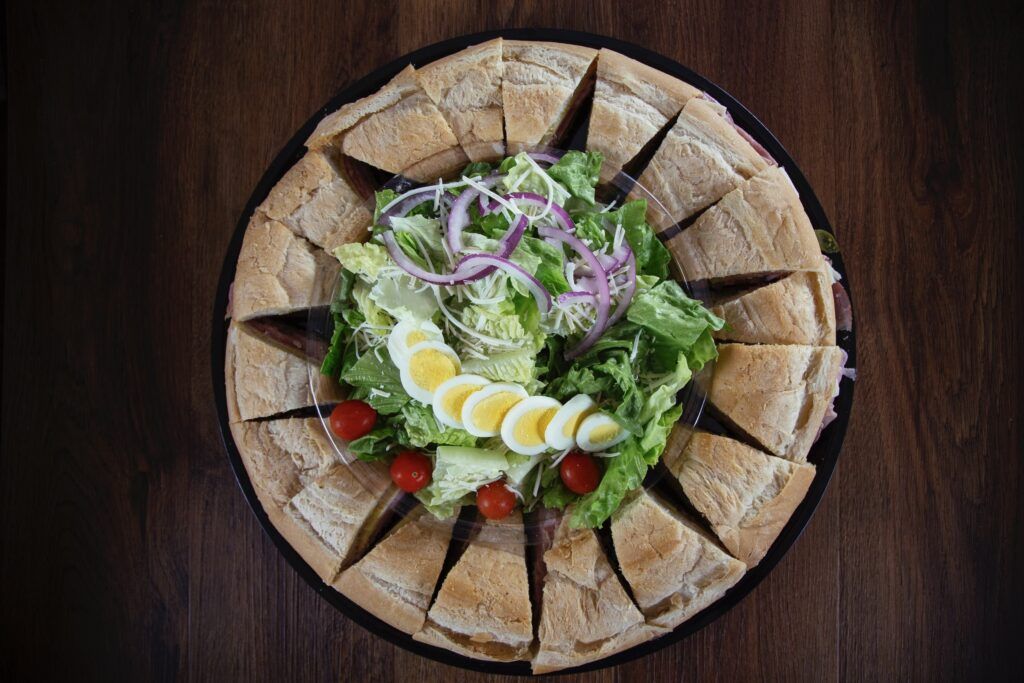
(585, 613)
(333, 518)
(483, 607)
(701, 159)
(798, 309)
(674, 568)
(397, 129)
(314, 201)
(776, 395)
(396, 579)
(466, 87)
(541, 87)
(264, 379)
(758, 229)
(279, 272)
(632, 102)
(746, 495)
(283, 456)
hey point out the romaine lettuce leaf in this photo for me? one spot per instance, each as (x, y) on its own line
(365, 259)
(524, 175)
(544, 261)
(459, 472)
(510, 366)
(377, 381)
(677, 324)
(373, 314)
(622, 474)
(374, 446)
(404, 297)
(421, 428)
(578, 172)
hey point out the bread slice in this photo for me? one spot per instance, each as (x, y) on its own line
(585, 612)
(314, 201)
(282, 456)
(702, 158)
(396, 579)
(776, 395)
(758, 229)
(540, 86)
(262, 379)
(466, 87)
(396, 129)
(747, 496)
(674, 568)
(798, 309)
(632, 102)
(279, 272)
(483, 608)
(330, 521)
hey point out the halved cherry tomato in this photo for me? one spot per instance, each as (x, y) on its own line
(411, 471)
(580, 472)
(353, 419)
(494, 500)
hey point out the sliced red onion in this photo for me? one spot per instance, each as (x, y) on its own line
(603, 295)
(458, 218)
(509, 241)
(407, 204)
(627, 296)
(545, 157)
(408, 265)
(541, 295)
(561, 216)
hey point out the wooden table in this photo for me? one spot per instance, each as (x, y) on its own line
(134, 138)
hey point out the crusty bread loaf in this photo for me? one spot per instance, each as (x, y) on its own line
(632, 102)
(538, 87)
(674, 568)
(393, 129)
(585, 613)
(466, 87)
(396, 579)
(282, 456)
(747, 496)
(325, 520)
(777, 395)
(279, 272)
(262, 379)
(701, 159)
(313, 200)
(483, 608)
(798, 309)
(759, 228)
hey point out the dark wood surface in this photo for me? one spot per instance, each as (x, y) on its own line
(135, 135)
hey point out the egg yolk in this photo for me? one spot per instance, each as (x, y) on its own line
(429, 367)
(529, 429)
(452, 400)
(605, 432)
(488, 413)
(414, 338)
(571, 424)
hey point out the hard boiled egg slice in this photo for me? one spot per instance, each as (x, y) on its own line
(484, 410)
(561, 430)
(451, 394)
(599, 432)
(428, 365)
(407, 334)
(522, 430)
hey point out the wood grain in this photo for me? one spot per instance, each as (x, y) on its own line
(135, 136)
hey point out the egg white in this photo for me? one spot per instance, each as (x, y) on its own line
(591, 424)
(469, 424)
(440, 412)
(516, 415)
(424, 394)
(398, 341)
(569, 414)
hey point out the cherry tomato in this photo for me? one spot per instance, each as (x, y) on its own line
(580, 472)
(494, 500)
(353, 419)
(411, 471)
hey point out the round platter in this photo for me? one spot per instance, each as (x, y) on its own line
(824, 454)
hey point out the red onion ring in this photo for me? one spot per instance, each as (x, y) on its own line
(627, 297)
(545, 157)
(509, 241)
(603, 295)
(458, 217)
(540, 294)
(409, 266)
(406, 205)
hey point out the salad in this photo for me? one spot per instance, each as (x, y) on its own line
(508, 340)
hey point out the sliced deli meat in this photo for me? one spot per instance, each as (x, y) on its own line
(701, 159)
(776, 395)
(397, 129)
(585, 613)
(315, 201)
(798, 309)
(263, 379)
(396, 579)
(279, 272)
(483, 607)
(541, 85)
(674, 568)
(466, 87)
(632, 102)
(758, 229)
(746, 495)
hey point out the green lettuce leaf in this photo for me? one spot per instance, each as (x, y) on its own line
(579, 173)
(374, 446)
(377, 381)
(510, 366)
(403, 297)
(652, 257)
(656, 434)
(365, 259)
(677, 324)
(523, 174)
(458, 472)
(422, 429)
(622, 474)
(544, 262)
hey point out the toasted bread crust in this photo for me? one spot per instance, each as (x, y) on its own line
(798, 309)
